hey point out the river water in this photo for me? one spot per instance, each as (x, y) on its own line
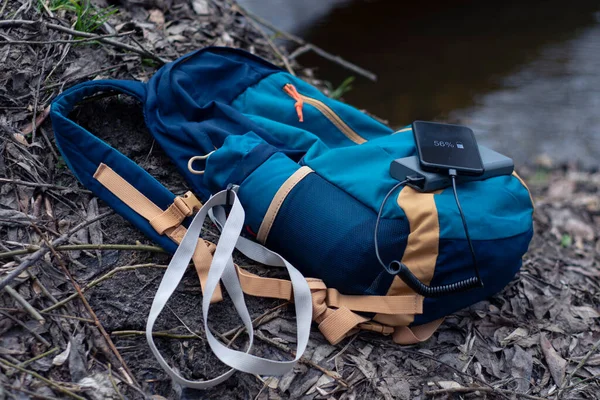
(525, 76)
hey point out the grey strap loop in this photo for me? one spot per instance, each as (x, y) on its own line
(222, 268)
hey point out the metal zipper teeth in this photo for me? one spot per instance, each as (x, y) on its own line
(335, 119)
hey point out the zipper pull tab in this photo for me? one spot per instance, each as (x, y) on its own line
(293, 93)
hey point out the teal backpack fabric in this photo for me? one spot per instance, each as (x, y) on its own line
(234, 108)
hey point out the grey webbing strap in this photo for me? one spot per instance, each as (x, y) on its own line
(222, 268)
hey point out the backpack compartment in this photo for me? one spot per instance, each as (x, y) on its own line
(269, 105)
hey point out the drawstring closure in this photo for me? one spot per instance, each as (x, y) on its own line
(293, 93)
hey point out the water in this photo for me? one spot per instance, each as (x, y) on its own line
(524, 75)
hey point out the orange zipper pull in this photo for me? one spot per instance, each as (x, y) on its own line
(293, 93)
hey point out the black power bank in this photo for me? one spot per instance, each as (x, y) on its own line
(443, 147)
(495, 164)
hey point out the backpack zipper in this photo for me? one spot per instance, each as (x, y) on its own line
(324, 109)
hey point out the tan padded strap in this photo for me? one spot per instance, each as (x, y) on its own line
(278, 199)
(407, 304)
(376, 327)
(126, 192)
(165, 222)
(259, 286)
(416, 334)
(339, 324)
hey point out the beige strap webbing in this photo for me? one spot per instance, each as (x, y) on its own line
(284, 190)
(339, 324)
(165, 222)
(126, 192)
(416, 334)
(259, 286)
(406, 304)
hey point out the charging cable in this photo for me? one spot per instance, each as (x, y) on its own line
(399, 268)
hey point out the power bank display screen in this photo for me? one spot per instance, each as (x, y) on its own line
(442, 147)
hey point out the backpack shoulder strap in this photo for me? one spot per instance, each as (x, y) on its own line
(150, 206)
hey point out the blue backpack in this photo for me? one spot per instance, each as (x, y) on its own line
(274, 162)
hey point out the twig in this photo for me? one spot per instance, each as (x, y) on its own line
(79, 77)
(46, 8)
(51, 351)
(62, 41)
(36, 99)
(42, 185)
(41, 378)
(303, 360)
(337, 59)
(28, 307)
(578, 367)
(581, 382)
(35, 257)
(266, 37)
(51, 314)
(193, 335)
(256, 322)
(481, 389)
(113, 383)
(343, 350)
(22, 325)
(458, 371)
(98, 281)
(37, 121)
(74, 247)
(125, 368)
(3, 7)
(60, 28)
(32, 394)
(62, 59)
(38, 282)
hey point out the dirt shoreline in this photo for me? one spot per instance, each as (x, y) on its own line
(540, 334)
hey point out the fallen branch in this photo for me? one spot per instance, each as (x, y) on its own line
(42, 185)
(51, 351)
(266, 37)
(100, 38)
(35, 257)
(304, 360)
(577, 368)
(28, 307)
(41, 378)
(98, 281)
(75, 247)
(51, 314)
(34, 120)
(162, 334)
(32, 394)
(71, 41)
(481, 389)
(28, 329)
(124, 368)
(458, 371)
(113, 383)
(308, 46)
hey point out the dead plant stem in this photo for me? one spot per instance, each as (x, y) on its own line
(74, 247)
(504, 392)
(95, 282)
(89, 309)
(35, 257)
(41, 378)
